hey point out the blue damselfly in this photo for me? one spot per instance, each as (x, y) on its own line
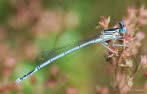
(102, 37)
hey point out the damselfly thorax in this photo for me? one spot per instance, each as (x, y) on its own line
(111, 33)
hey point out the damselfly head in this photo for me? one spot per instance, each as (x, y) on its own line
(121, 24)
(122, 27)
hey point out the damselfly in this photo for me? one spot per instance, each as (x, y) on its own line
(102, 37)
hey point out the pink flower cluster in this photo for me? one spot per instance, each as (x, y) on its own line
(144, 61)
(135, 20)
(104, 22)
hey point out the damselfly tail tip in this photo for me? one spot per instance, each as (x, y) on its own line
(17, 81)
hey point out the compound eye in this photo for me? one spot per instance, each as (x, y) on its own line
(121, 24)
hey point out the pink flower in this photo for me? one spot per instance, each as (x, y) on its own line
(104, 22)
(33, 80)
(10, 61)
(54, 70)
(142, 21)
(115, 26)
(104, 90)
(140, 35)
(12, 86)
(144, 61)
(109, 69)
(30, 50)
(145, 73)
(125, 89)
(71, 91)
(120, 77)
(127, 37)
(127, 52)
(48, 21)
(5, 90)
(51, 82)
(126, 21)
(6, 72)
(64, 78)
(143, 12)
(131, 11)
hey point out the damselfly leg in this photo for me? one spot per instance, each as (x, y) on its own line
(106, 46)
(113, 42)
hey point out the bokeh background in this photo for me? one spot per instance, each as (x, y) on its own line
(30, 28)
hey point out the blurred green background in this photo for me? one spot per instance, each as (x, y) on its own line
(28, 27)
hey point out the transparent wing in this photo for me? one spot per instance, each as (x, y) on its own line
(48, 54)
